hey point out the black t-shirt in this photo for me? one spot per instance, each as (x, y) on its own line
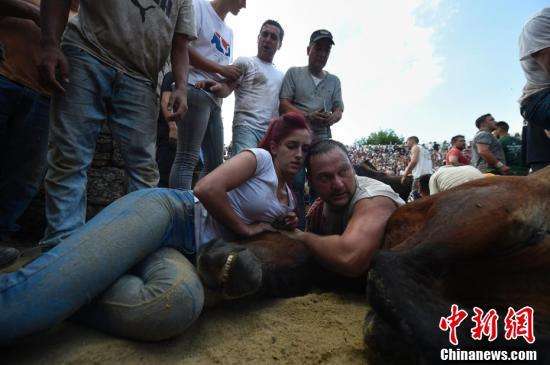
(167, 82)
(538, 144)
(166, 85)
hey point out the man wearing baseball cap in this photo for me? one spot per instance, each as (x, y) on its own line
(314, 92)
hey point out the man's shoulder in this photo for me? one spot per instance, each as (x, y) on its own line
(244, 63)
(296, 70)
(370, 188)
(484, 137)
(332, 77)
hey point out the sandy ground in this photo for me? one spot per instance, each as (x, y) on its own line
(318, 328)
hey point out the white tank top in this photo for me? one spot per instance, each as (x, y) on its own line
(424, 164)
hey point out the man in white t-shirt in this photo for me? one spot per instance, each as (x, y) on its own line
(210, 56)
(256, 91)
(420, 164)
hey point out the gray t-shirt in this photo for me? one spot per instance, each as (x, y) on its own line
(534, 37)
(487, 138)
(335, 222)
(133, 36)
(299, 87)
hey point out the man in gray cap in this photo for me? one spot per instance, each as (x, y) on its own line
(314, 92)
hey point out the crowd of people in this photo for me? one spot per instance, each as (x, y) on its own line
(392, 159)
(63, 75)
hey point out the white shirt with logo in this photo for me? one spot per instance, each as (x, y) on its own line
(214, 40)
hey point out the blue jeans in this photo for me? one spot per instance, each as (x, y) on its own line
(200, 128)
(56, 284)
(245, 137)
(23, 145)
(95, 93)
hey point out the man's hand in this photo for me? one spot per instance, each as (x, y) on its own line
(216, 88)
(403, 178)
(504, 170)
(178, 100)
(53, 60)
(334, 117)
(172, 131)
(230, 72)
(318, 118)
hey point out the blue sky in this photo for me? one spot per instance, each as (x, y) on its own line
(422, 67)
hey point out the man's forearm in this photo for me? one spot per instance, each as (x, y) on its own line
(20, 9)
(180, 60)
(409, 167)
(286, 106)
(332, 253)
(489, 158)
(53, 19)
(203, 63)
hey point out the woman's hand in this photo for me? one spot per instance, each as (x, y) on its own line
(287, 223)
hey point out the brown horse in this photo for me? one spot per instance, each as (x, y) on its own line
(486, 244)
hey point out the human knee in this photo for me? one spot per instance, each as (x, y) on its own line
(160, 299)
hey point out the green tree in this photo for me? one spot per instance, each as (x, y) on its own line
(383, 136)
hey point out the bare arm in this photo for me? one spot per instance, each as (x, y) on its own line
(485, 153)
(350, 253)
(20, 9)
(414, 160)
(220, 89)
(53, 19)
(316, 117)
(285, 106)
(230, 72)
(336, 116)
(180, 69)
(212, 190)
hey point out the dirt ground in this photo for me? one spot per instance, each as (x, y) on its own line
(318, 328)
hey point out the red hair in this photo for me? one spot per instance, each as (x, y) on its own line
(282, 127)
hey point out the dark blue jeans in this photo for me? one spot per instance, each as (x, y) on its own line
(24, 124)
